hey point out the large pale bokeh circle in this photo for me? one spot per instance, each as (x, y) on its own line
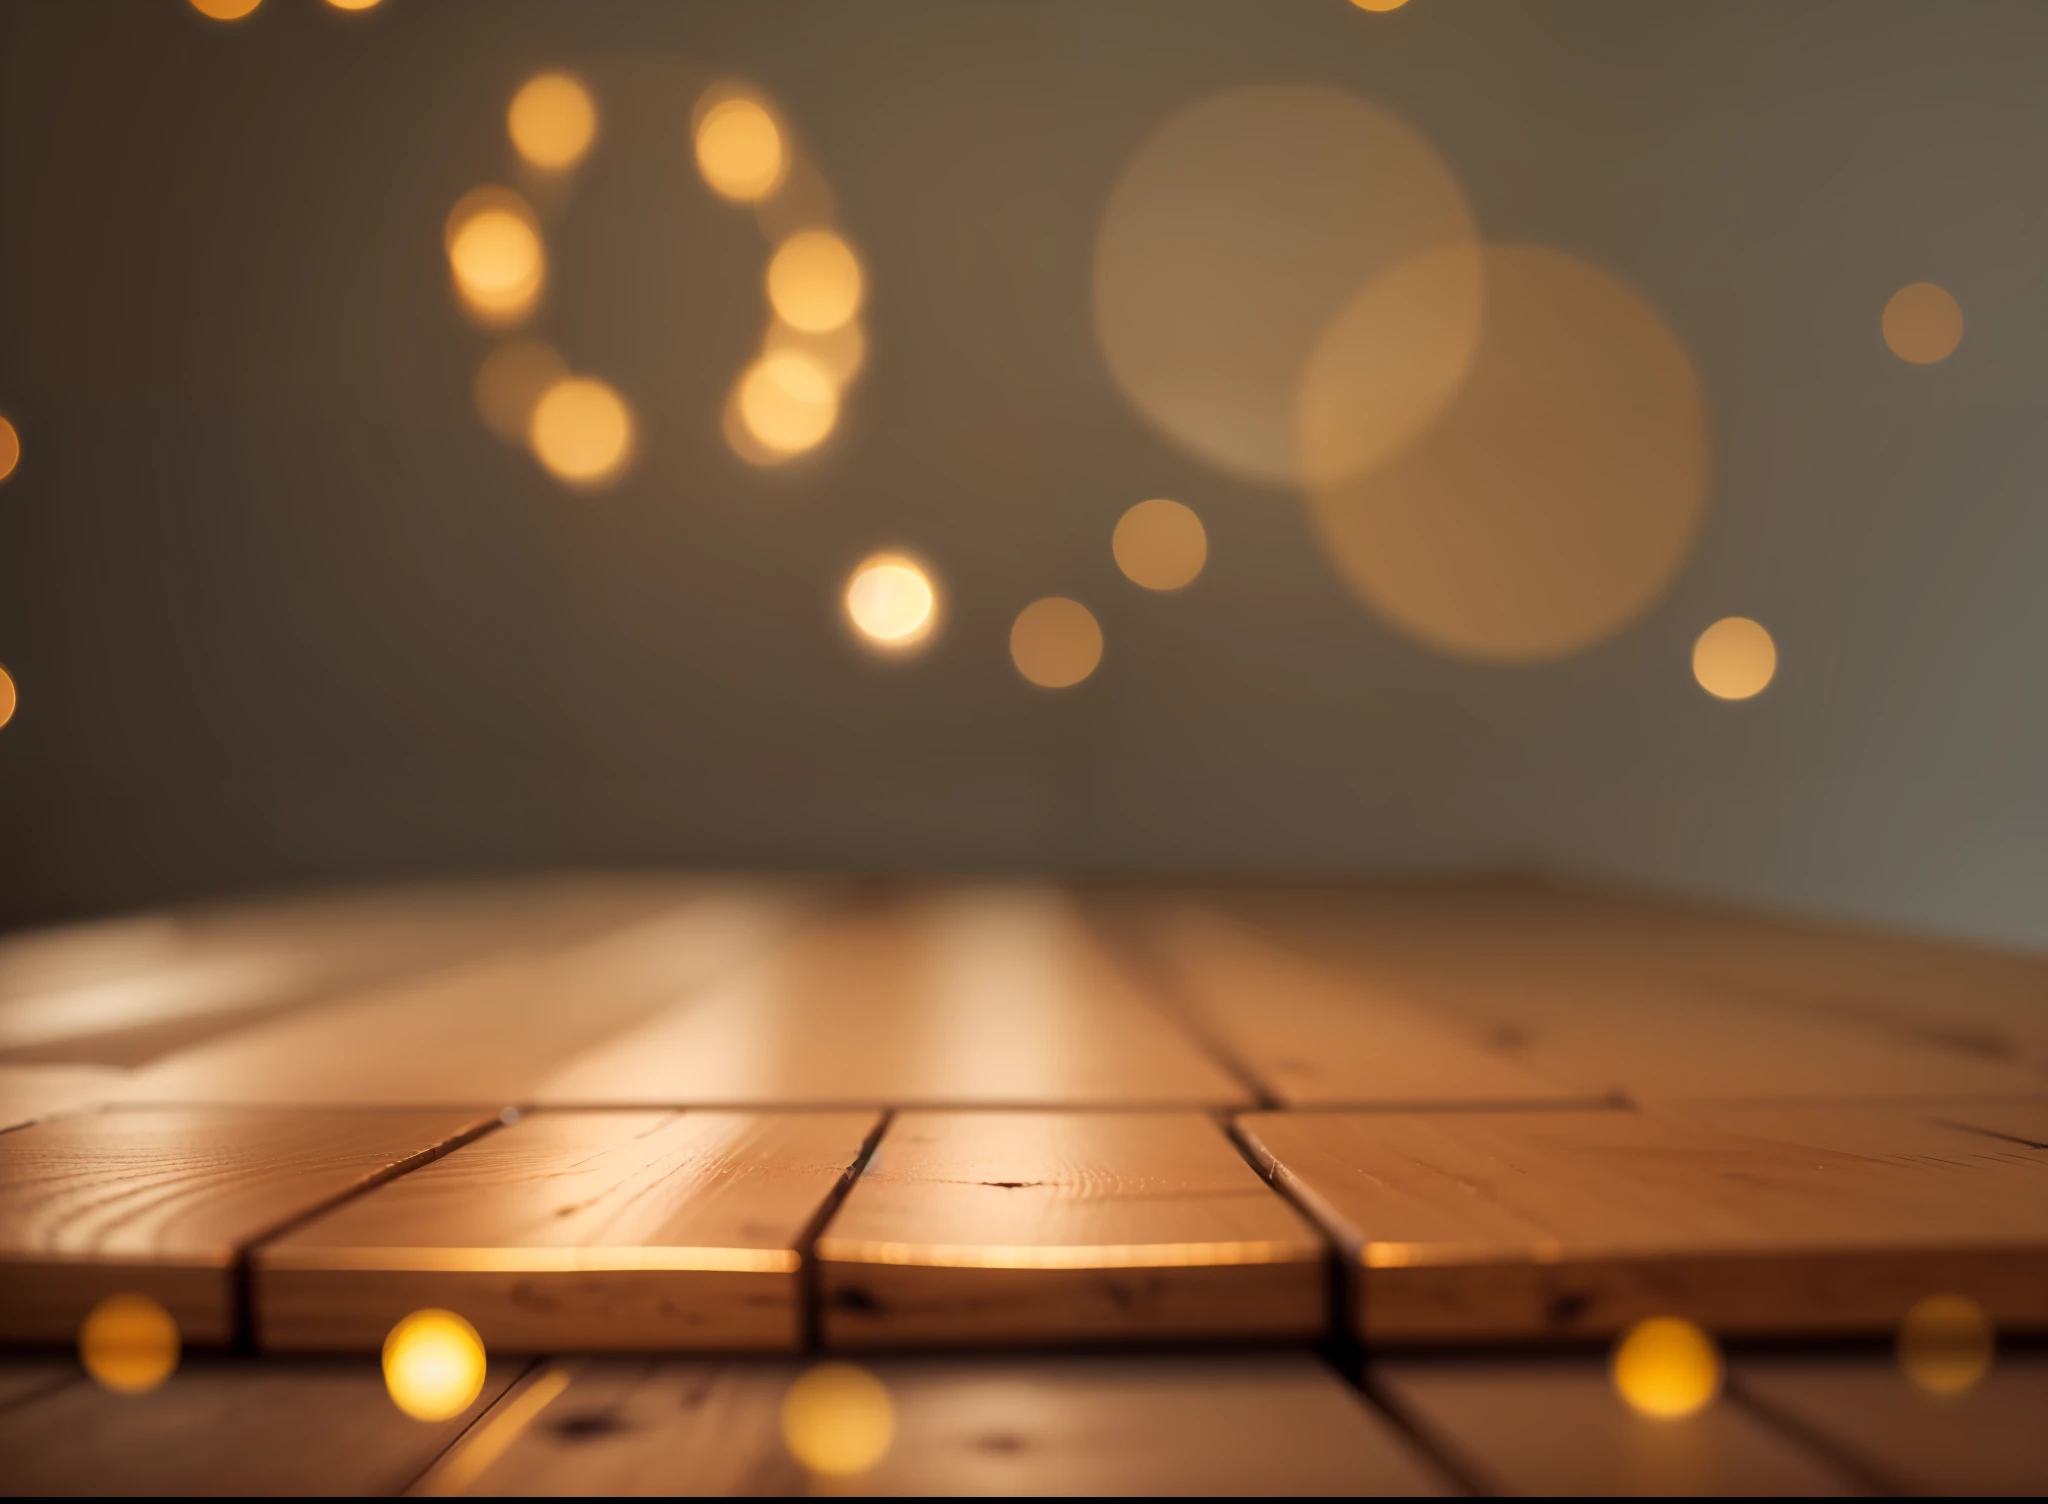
(814, 281)
(890, 602)
(1923, 323)
(1734, 659)
(838, 1420)
(582, 431)
(1666, 1368)
(495, 254)
(1555, 496)
(433, 1365)
(1160, 544)
(1235, 235)
(788, 402)
(552, 121)
(128, 1343)
(740, 149)
(1055, 642)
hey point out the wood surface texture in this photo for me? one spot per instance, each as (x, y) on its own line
(1557, 1426)
(592, 1230)
(1033, 1227)
(1214, 1424)
(983, 997)
(1990, 1439)
(161, 1201)
(1499, 1226)
(28, 1092)
(482, 1034)
(229, 1426)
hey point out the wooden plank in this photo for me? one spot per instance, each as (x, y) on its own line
(591, 1231)
(229, 1426)
(995, 997)
(28, 1092)
(1253, 1424)
(1483, 1226)
(1313, 1034)
(1037, 1227)
(1556, 1426)
(23, 1377)
(1987, 1440)
(1605, 1011)
(161, 1201)
(483, 1034)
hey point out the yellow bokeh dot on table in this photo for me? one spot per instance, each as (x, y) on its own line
(552, 121)
(510, 383)
(495, 253)
(10, 449)
(838, 1420)
(128, 1343)
(814, 281)
(9, 698)
(1946, 1344)
(740, 149)
(1923, 323)
(891, 603)
(1734, 659)
(225, 10)
(1055, 642)
(433, 1365)
(1160, 544)
(788, 402)
(1666, 1368)
(581, 430)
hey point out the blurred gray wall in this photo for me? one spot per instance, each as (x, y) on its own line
(283, 613)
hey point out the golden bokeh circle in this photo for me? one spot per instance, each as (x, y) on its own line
(10, 448)
(1379, 6)
(495, 254)
(10, 698)
(552, 121)
(128, 1343)
(433, 1365)
(1666, 1368)
(1160, 544)
(1946, 1344)
(841, 352)
(582, 431)
(1236, 233)
(1055, 642)
(814, 281)
(1558, 492)
(1734, 659)
(739, 148)
(788, 402)
(354, 4)
(891, 602)
(225, 10)
(838, 1420)
(1923, 323)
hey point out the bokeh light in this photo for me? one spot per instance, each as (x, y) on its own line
(1055, 642)
(433, 1365)
(1556, 495)
(838, 1420)
(842, 351)
(9, 698)
(10, 448)
(891, 603)
(1666, 1368)
(1946, 1344)
(1160, 544)
(510, 383)
(1380, 6)
(582, 431)
(740, 149)
(553, 121)
(1237, 232)
(495, 253)
(788, 402)
(225, 10)
(814, 281)
(1734, 659)
(353, 4)
(1923, 323)
(128, 1343)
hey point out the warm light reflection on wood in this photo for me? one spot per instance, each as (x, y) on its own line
(537, 1260)
(1076, 1256)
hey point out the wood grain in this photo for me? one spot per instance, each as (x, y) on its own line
(1038, 1227)
(482, 1034)
(229, 1426)
(992, 997)
(1479, 1226)
(1313, 1034)
(161, 1201)
(1556, 1426)
(591, 1231)
(1252, 1424)
(1987, 1440)
(28, 1092)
